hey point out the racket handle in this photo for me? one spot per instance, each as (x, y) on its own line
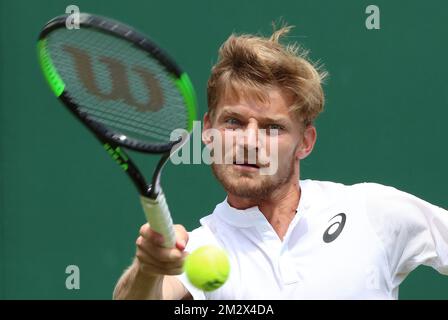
(158, 215)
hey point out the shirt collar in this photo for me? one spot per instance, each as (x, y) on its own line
(240, 218)
(253, 216)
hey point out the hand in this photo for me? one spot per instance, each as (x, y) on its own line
(153, 259)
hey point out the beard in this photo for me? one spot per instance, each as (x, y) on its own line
(253, 185)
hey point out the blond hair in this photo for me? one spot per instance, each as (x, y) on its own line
(249, 64)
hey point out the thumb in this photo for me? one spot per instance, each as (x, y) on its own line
(181, 235)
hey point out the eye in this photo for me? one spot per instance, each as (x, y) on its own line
(274, 129)
(232, 122)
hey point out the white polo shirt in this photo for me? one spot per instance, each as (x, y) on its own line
(345, 242)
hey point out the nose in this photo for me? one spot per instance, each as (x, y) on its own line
(251, 135)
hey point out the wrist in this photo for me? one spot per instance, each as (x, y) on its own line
(142, 271)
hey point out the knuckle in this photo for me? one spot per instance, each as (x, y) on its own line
(143, 229)
(157, 255)
(139, 241)
(161, 254)
(140, 255)
(173, 255)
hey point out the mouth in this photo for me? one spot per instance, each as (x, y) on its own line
(246, 166)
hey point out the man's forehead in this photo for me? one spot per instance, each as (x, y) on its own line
(275, 105)
(247, 111)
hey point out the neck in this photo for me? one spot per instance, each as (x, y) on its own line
(279, 208)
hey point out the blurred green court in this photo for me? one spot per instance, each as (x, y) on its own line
(63, 202)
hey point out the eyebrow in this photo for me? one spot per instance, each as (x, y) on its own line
(229, 112)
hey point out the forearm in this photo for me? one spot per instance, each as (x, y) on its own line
(135, 285)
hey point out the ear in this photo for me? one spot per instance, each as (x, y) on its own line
(206, 138)
(308, 141)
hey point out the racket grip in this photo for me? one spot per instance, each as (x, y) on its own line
(159, 218)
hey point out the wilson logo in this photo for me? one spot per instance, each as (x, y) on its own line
(119, 80)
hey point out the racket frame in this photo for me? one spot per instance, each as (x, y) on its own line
(125, 32)
(152, 196)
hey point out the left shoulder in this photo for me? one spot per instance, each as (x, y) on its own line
(334, 190)
(371, 194)
(330, 187)
(394, 204)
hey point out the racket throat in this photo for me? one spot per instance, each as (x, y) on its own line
(154, 188)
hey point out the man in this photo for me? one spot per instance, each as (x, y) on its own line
(287, 238)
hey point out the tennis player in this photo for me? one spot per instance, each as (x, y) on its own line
(288, 238)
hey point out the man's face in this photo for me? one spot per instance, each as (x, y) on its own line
(255, 136)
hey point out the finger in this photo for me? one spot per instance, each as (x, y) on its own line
(148, 233)
(151, 269)
(159, 266)
(159, 253)
(181, 235)
(143, 257)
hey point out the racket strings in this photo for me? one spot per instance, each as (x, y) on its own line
(125, 102)
(115, 115)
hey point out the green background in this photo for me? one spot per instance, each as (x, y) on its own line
(64, 202)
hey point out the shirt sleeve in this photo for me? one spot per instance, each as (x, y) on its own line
(413, 231)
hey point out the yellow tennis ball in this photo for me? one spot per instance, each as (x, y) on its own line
(207, 267)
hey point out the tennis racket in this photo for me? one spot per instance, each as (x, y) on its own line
(127, 91)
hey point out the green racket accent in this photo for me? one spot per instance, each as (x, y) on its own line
(117, 155)
(52, 76)
(186, 87)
